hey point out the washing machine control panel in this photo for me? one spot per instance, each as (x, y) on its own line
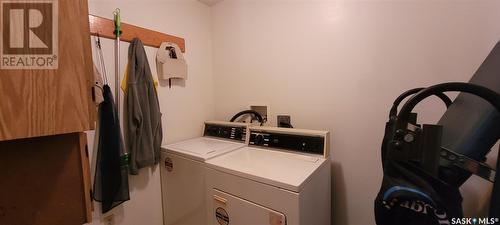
(290, 142)
(232, 132)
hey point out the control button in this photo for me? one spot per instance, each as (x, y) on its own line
(303, 146)
(259, 139)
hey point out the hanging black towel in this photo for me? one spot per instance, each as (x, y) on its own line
(142, 111)
(111, 177)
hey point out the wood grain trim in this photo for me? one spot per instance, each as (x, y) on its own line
(41, 102)
(105, 28)
(84, 159)
(90, 78)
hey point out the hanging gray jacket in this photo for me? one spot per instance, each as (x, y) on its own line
(142, 111)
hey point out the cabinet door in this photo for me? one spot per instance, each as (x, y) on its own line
(45, 181)
(39, 101)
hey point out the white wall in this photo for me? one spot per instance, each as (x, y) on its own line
(338, 65)
(184, 106)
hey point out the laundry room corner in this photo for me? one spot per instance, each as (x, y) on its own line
(249, 112)
(338, 65)
(184, 105)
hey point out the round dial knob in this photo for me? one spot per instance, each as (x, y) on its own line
(259, 139)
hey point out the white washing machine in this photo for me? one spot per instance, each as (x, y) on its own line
(282, 177)
(183, 171)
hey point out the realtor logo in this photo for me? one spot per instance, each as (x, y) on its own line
(29, 34)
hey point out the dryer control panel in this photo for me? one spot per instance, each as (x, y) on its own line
(226, 130)
(296, 142)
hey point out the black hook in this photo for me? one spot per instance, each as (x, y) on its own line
(98, 40)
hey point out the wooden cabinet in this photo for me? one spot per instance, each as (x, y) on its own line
(45, 105)
(45, 181)
(42, 102)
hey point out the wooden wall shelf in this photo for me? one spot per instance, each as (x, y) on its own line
(105, 27)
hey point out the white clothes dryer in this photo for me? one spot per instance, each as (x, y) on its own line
(282, 177)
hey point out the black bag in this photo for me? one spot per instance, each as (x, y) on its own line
(111, 186)
(412, 191)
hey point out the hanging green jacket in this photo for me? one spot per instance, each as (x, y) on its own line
(142, 111)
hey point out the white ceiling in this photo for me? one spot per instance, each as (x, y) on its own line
(210, 2)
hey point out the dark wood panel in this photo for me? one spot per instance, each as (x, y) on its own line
(40, 102)
(43, 181)
(87, 180)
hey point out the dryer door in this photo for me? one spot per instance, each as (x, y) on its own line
(229, 209)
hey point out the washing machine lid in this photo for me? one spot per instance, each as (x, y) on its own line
(202, 148)
(286, 170)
